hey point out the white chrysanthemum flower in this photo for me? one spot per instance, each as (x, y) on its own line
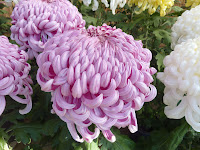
(113, 4)
(186, 27)
(181, 78)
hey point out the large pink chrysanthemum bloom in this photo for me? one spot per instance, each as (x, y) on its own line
(35, 21)
(14, 79)
(96, 77)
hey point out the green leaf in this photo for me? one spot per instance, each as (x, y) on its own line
(172, 140)
(25, 132)
(4, 145)
(51, 126)
(129, 25)
(77, 146)
(3, 133)
(162, 139)
(65, 146)
(92, 146)
(156, 21)
(2, 5)
(3, 11)
(65, 134)
(22, 136)
(177, 8)
(162, 34)
(116, 18)
(86, 146)
(85, 9)
(159, 58)
(90, 20)
(123, 142)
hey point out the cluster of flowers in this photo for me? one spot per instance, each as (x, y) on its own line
(181, 75)
(96, 76)
(34, 21)
(113, 4)
(152, 5)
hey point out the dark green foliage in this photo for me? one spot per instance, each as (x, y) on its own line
(41, 130)
(4, 21)
(123, 142)
(163, 139)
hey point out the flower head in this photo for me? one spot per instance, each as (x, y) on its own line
(14, 79)
(186, 27)
(152, 5)
(96, 77)
(181, 78)
(35, 21)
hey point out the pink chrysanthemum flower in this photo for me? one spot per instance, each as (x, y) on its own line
(96, 77)
(14, 79)
(35, 21)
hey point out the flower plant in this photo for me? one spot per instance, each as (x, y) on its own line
(89, 80)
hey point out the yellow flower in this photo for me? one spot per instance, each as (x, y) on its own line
(152, 5)
(192, 3)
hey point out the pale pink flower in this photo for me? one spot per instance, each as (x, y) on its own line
(14, 79)
(35, 21)
(99, 77)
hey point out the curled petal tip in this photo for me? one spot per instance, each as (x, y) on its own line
(47, 86)
(3, 104)
(113, 139)
(109, 136)
(80, 140)
(133, 128)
